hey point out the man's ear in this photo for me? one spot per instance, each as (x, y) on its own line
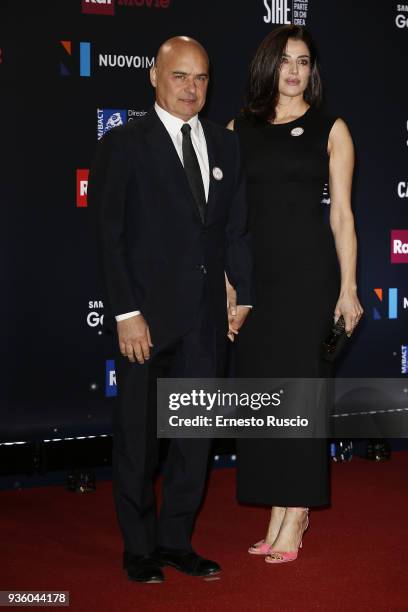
(153, 76)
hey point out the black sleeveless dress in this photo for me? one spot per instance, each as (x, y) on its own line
(297, 286)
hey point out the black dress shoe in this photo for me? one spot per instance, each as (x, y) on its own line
(142, 568)
(187, 562)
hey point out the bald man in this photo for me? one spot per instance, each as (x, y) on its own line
(171, 217)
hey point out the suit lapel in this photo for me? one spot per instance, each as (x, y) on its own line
(212, 158)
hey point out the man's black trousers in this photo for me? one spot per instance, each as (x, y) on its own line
(200, 353)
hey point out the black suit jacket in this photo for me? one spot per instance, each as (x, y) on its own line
(154, 250)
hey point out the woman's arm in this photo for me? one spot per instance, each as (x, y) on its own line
(341, 152)
(236, 314)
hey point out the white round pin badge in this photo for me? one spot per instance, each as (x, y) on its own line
(297, 131)
(217, 173)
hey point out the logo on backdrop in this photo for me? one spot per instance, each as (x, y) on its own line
(94, 317)
(88, 61)
(378, 309)
(283, 12)
(402, 189)
(82, 187)
(404, 359)
(110, 379)
(150, 4)
(108, 118)
(384, 309)
(114, 60)
(98, 7)
(107, 7)
(401, 20)
(70, 61)
(399, 246)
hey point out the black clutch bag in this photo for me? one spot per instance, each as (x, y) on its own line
(335, 341)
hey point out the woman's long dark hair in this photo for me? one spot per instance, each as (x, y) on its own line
(263, 82)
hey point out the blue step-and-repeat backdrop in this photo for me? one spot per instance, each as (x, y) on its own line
(72, 69)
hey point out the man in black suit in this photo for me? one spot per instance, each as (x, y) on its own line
(171, 214)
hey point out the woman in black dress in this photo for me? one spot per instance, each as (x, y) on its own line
(305, 269)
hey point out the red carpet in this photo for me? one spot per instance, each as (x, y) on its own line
(354, 557)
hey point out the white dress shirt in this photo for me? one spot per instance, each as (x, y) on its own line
(173, 125)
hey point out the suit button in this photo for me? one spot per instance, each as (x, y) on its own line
(201, 268)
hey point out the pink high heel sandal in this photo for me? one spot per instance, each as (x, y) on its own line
(260, 548)
(275, 556)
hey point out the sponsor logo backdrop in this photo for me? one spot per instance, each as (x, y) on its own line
(58, 369)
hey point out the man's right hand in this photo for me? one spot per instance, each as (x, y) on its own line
(134, 338)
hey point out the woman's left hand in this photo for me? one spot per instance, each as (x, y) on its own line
(349, 306)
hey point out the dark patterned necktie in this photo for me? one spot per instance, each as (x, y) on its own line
(192, 168)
